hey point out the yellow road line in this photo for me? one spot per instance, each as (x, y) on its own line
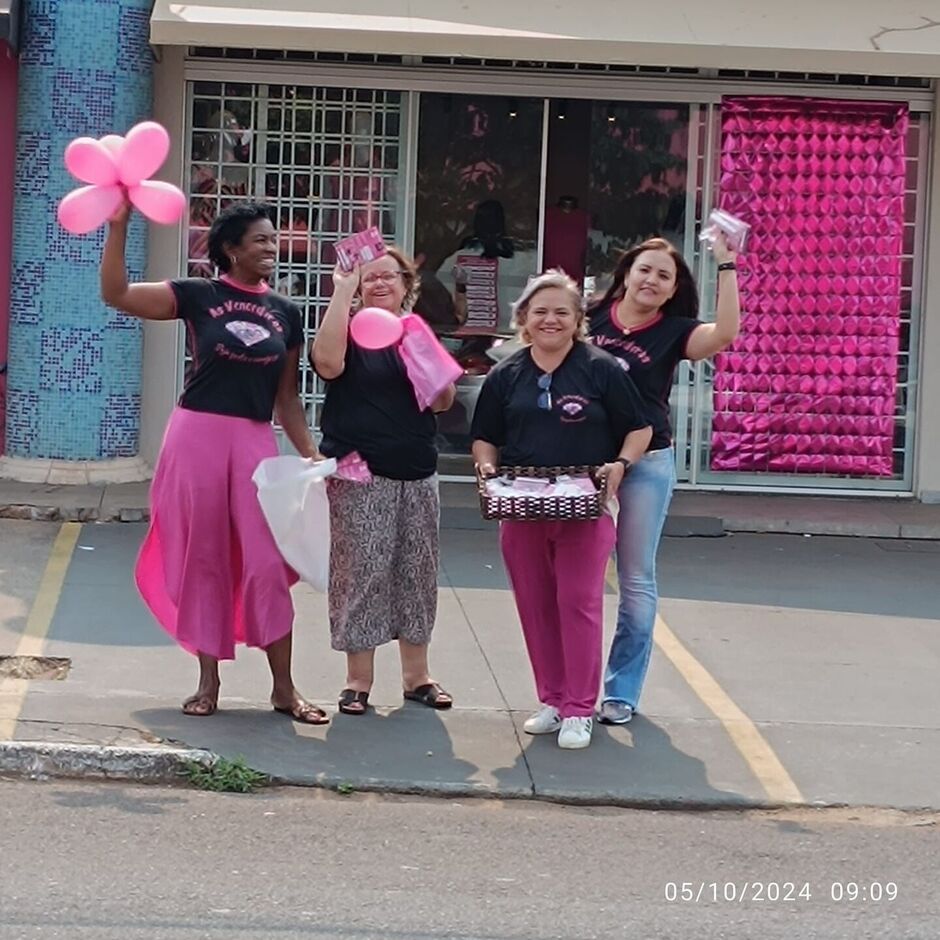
(13, 691)
(753, 747)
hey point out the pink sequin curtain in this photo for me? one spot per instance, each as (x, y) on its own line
(809, 385)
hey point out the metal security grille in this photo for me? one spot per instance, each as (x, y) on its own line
(327, 159)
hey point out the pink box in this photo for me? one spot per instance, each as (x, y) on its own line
(360, 248)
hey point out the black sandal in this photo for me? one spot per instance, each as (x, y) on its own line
(432, 695)
(352, 702)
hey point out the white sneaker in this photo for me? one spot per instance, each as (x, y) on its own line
(575, 732)
(545, 721)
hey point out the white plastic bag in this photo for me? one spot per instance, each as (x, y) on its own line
(292, 494)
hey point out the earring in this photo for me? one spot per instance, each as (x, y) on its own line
(233, 260)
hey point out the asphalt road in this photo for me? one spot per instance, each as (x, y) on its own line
(106, 862)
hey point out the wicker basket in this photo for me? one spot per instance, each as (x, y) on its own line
(521, 508)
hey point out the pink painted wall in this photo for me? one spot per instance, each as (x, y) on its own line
(8, 74)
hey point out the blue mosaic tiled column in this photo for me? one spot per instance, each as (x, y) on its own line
(74, 365)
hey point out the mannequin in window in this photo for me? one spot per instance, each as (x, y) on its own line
(566, 237)
(514, 263)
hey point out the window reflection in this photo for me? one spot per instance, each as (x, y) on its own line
(476, 231)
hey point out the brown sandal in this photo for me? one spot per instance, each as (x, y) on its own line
(304, 713)
(200, 706)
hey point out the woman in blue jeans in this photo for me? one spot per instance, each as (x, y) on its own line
(648, 319)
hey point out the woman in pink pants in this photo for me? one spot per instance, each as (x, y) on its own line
(559, 401)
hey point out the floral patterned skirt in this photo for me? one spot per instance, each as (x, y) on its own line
(383, 562)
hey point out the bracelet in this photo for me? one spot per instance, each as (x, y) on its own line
(727, 266)
(627, 464)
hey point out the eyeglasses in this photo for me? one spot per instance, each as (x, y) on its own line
(544, 400)
(386, 277)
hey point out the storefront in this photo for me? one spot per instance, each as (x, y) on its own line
(489, 171)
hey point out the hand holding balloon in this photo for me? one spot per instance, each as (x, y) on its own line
(118, 169)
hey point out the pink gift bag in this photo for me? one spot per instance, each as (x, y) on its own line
(430, 367)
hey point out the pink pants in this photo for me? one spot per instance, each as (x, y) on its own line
(557, 573)
(209, 569)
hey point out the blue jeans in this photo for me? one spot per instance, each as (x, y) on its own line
(644, 500)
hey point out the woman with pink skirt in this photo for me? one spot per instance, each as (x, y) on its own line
(209, 569)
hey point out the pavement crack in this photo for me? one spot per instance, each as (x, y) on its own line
(885, 30)
(70, 727)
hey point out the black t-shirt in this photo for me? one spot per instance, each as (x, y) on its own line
(371, 408)
(238, 340)
(650, 354)
(594, 406)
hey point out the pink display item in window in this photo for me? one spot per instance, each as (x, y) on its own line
(360, 248)
(809, 385)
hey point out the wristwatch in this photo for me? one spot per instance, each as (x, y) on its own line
(627, 464)
(727, 266)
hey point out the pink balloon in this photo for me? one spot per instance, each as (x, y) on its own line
(144, 150)
(83, 210)
(160, 202)
(90, 161)
(114, 143)
(374, 328)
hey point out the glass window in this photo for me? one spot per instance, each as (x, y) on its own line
(476, 231)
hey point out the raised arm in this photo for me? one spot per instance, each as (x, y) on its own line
(328, 351)
(707, 339)
(147, 301)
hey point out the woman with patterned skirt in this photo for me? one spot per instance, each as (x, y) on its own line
(384, 533)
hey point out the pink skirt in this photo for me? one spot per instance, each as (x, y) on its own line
(209, 569)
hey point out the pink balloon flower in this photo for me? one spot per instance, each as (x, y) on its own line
(117, 168)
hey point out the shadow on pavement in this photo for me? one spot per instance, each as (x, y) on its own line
(405, 747)
(818, 573)
(637, 763)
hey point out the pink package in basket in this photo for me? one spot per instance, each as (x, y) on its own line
(360, 248)
(430, 367)
(353, 468)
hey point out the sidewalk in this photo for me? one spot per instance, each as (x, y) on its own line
(772, 653)
(691, 513)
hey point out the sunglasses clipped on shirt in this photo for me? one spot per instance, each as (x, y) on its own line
(544, 400)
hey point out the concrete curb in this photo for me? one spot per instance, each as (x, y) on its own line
(36, 760)
(41, 760)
